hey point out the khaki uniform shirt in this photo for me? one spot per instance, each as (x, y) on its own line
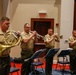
(6, 52)
(71, 39)
(30, 44)
(52, 43)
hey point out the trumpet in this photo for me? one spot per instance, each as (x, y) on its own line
(56, 37)
(38, 35)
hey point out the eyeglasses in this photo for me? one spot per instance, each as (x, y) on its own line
(7, 23)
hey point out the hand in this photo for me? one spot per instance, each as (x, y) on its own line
(18, 33)
(75, 41)
(55, 34)
(34, 32)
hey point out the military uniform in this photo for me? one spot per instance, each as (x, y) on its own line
(73, 56)
(4, 58)
(26, 52)
(49, 60)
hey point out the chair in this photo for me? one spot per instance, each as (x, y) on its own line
(35, 64)
(62, 59)
(13, 67)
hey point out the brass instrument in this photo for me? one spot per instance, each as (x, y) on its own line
(11, 39)
(56, 37)
(38, 35)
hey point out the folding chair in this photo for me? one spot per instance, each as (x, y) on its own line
(64, 54)
(34, 64)
(13, 68)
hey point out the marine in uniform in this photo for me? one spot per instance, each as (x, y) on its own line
(27, 46)
(4, 56)
(72, 44)
(49, 40)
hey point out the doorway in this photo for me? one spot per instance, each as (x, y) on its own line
(41, 25)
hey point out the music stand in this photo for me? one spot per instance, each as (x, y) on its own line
(34, 56)
(51, 52)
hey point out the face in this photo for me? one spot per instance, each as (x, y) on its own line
(50, 32)
(74, 33)
(27, 28)
(5, 25)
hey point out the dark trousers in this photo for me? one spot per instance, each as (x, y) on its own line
(73, 61)
(4, 65)
(49, 62)
(26, 66)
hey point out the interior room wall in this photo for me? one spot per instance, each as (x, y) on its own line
(23, 10)
(60, 10)
(23, 13)
(66, 22)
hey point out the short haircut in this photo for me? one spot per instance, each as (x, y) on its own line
(4, 18)
(26, 24)
(74, 30)
(50, 28)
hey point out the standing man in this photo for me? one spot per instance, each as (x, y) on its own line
(49, 40)
(27, 46)
(4, 58)
(72, 44)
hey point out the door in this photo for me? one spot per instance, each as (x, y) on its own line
(41, 25)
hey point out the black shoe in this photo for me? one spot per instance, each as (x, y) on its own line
(51, 74)
(72, 73)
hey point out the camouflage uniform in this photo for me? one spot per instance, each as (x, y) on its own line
(73, 55)
(26, 52)
(4, 58)
(49, 60)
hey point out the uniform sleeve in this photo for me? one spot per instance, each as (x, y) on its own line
(23, 36)
(1, 38)
(45, 38)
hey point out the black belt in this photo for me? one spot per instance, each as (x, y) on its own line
(26, 49)
(4, 56)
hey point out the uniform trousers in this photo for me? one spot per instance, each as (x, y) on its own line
(49, 62)
(4, 65)
(73, 61)
(26, 66)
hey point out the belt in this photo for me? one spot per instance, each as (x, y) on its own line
(26, 49)
(4, 56)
